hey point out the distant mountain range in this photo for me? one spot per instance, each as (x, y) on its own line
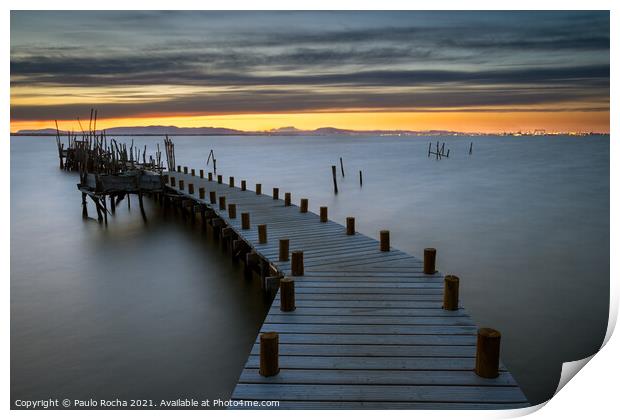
(161, 130)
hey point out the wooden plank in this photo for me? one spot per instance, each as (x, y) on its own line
(371, 350)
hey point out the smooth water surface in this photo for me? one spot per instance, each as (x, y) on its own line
(157, 310)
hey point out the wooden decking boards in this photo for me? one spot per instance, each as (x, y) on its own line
(368, 331)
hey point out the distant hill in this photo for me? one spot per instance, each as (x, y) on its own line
(162, 130)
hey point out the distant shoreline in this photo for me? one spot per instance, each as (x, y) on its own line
(321, 135)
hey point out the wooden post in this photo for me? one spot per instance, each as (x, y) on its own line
(323, 214)
(269, 354)
(185, 169)
(222, 202)
(245, 220)
(303, 205)
(334, 178)
(179, 169)
(297, 263)
(429, 260)
(231, 181)
(470, 147)
(287, 199)
(190, 188)
(173, 181)
(259, 189)
(219, 179)
(202, 173)
(360, 178)
(487, 353)
(385, 240)
(193, 172)
(142, 204)
(276, 193)
(212, 197)
(181, 184)
(262, 234)
(350, 225)
(287, 295)
(84, 207)
(341, 167)
(283, 250)
(112, 204)
(210, 176)
(232, 211)
(201, 193)
(243, 185)
(451, 293)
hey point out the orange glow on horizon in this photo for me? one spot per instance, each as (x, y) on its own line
(489, 122)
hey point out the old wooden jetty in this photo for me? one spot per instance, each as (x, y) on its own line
(354, 322)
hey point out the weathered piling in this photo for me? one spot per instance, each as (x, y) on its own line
(212, 197)
(173, 181)
(185, 170)
(287, 294)
(451, 293)
(350, 225)
(269, 354)
(287, 199)
(245, 220)
(181, 184)
(276, 193)
(202, 173)
(429, 260)
(297, 263)
(384, 237)
(231, 181)
(341, 167)
(303, 205)
(190, 188)
(487, 352)
(323, 214)
(179, 169)
(222, 202)
(232, 211)
(334, 179)
(243, 185)
(283, 250)
(210, 176)
(259, 189)
(361, 178)
(219, 179)
(193, 172)
(262, 234)
(201, 193)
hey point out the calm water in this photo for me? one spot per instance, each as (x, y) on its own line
(156, 311)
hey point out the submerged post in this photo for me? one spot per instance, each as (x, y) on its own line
(283, 250)
(297, 263)
(429, 260)
(303, 205)
(287, 295)
(450, 293)
(323, 214)
(262, 234)
(334, 178)
(350, 225)
(487, 353)
(360, 177)
(245, 220)
(269, 354)
(384, 235)
(341, 167)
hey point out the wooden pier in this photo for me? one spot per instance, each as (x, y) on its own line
(361, 324)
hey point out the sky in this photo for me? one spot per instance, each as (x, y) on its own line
(401, 70)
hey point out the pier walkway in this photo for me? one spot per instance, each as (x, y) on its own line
(368, 330)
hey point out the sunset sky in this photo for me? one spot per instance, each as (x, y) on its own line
(464, 71)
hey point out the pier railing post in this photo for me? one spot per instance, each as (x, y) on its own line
(232, 211)
(287, 295)
(219, 179)
(193, 172)
(287, 199)
(451, 293)
(210, 176)
(283, 250)
(190, 188)
(262, 234)
(350, 225)
(202, 173)
(259, 189)
(201, 193)
(303, 205)
(487, 353)
(276, 193)
(179, 169)
(384, 236)
(222, 202)
(231, 181)
(185, 170)
(323, 214)
(269, 354)
(212, 197)
(181, 184)
(245, 220)
(243, 185)
(173, 181)
(297, 263)
(430, 255)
